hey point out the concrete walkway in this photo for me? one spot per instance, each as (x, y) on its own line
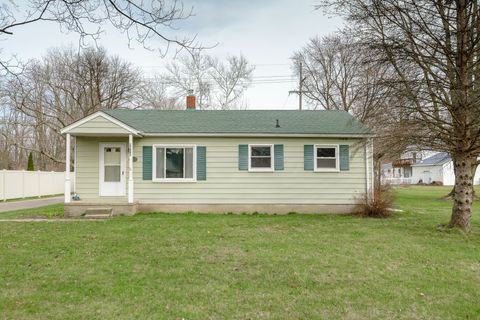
(27, 204)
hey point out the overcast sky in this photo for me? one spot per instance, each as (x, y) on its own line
(267, 32)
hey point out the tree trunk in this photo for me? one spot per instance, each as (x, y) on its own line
(452, 192)
(463, 197)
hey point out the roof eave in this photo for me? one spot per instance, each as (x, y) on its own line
(429, 164)
(313, 135)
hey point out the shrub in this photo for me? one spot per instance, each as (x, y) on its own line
(378, 205)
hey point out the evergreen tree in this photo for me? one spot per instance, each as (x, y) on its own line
(30, 162)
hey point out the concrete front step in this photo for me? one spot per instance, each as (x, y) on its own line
(80, 208)
(98, 213)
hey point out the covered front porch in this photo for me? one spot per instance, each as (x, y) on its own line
(100, 149)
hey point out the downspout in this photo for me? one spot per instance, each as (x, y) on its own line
(367, 185)
(369, 171)
(372, 172)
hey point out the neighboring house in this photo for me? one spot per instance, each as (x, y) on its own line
(400, 170)
(219, 161)
(437, 168)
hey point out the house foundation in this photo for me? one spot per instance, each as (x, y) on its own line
(77, 209)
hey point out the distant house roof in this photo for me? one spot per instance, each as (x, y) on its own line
(387, 166)
(435, 160)
(339, 123)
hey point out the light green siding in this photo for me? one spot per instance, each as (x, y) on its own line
(226, 184)
(99, 125)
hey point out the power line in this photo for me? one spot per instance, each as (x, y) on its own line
(300, 91)
(266, 77)
(253, 64)
(253, 82)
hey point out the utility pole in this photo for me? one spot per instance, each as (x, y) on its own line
(300, 87)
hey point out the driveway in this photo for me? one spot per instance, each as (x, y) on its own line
(27, 204)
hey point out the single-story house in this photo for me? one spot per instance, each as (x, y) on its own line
(437, 168)
(218, 161)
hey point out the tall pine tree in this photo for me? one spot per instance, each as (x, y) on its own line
(30, 162)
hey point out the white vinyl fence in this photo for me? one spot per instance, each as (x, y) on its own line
(23, 184)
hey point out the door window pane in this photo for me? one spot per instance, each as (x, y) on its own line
(112, 174)
(112, 155)
(174, 163)
(112, 164)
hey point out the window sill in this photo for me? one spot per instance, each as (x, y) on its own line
(326, 170)
(261, 170)
(174, 181)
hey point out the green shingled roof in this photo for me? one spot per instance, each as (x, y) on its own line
(240, 121)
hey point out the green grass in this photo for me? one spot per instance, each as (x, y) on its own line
(161, 266)
(50, 211)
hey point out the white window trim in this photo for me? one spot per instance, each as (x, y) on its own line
(337, 157)
(272, 156)
(173, 180)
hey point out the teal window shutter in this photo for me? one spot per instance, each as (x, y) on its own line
(308, 157)
(147, 163)
(201, 163)
(344, 157)
(243, 157)
(278, 153)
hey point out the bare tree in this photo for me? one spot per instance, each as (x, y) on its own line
(59, 89)
(341, 74)
(140, 21)
(434, 48)
(231, 79)
(217, 84)
(154, 94)
(190, 72)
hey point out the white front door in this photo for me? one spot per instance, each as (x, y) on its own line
(112, 169)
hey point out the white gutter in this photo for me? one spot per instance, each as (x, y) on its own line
(369, 169)
(367, 184)
(429, 165)
(292, 135)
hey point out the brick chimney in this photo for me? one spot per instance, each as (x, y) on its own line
(191, 104)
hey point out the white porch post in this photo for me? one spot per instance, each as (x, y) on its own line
(67, 169)
(130, 168)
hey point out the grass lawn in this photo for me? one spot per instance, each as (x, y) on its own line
(50, 211)
(245, 266)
